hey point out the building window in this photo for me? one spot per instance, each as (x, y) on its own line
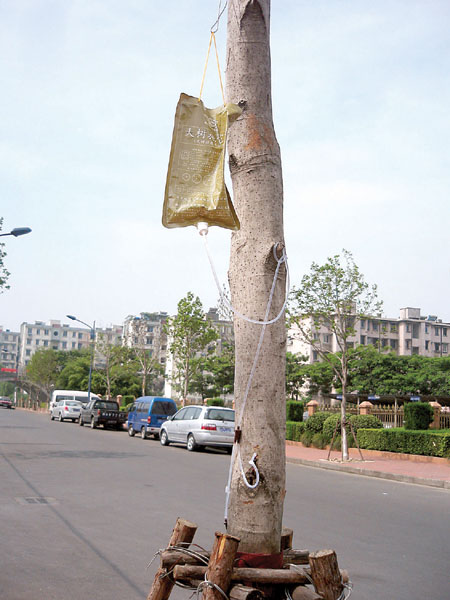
(363, 323)
(64, 344)
(79, 346)
(74, 334)
(326, 338)
(375, 325)
(38, 332)
(80, 335)
(362, 340)
(55, 333)
(393, 344)
(37, 342)
(436, 331)
(28, 352)
(444, 348)
(426, 328)
(64, 333)
(29, 341)
(73, 344)
(444, 331)
(393, 328)
(415, 350)
(437, 347)
(408, 327)
(408, 344)
(427, 345)
(315, 356)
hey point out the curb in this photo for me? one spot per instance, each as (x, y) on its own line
(436, 483)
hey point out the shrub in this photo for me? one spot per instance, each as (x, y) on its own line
(294, 430)
(427, 443)
(319, 440)
(315, 422)
(215, 402)
(307, 438)
(418, 415)
(294, 410)
(329, 426)
(365, 422)
(337, 443)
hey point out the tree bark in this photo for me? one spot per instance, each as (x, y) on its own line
(255, 516)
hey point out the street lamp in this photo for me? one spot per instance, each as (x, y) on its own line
(92, 328)
(17, 231)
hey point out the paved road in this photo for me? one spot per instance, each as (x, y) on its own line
(112, 502)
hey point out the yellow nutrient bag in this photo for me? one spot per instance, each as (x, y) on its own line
(195, 186)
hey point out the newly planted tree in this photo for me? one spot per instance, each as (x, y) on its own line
(256, 506)
(329, 301)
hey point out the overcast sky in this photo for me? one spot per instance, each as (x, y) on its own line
(361, 97)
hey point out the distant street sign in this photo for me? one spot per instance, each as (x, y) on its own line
(373, 397)
(5, 370)
(415, 398)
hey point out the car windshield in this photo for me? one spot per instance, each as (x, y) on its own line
(161, 407)
(73, 403)
(220, 414)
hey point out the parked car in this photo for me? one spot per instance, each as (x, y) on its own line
(58, 395)
(148, 413)
(66, 409)
(200, 426)
(102, 412)
(6, 402)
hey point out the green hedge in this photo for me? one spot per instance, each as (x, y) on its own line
(294, 430)
(427, 443)
(294, 410)
(315, 422)
(418, 415)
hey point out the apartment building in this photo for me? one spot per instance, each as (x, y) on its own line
(52, 334)
(147, 331)
(9, 348)
(410, 333)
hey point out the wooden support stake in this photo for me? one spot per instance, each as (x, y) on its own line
(272, 576)
(242, 592)
(304, 593)
(183, 532)
(220, 566)
(286, 539)
(325, 574)
(170, 558)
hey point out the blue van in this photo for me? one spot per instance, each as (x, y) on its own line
(148, 413)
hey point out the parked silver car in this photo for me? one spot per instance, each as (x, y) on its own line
(66, 409)
(199, 426)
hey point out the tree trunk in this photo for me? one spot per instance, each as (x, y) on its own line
(255, 516)
(344, 441)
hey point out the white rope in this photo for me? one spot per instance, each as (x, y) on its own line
(203, 231)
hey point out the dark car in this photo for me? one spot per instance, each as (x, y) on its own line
(5, 402)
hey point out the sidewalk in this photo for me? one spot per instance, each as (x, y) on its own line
(422, 470)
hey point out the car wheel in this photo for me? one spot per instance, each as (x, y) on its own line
(143, 433)
(164, 438)
(80, 422)
(52, 417)
(131, 431)
(229, 449)
(93, 425)
(60, 419)
(156, 436)
(191, 445)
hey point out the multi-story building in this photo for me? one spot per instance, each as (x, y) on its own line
(146, 331)
(411, 333)
(9, 348)
(40, 335)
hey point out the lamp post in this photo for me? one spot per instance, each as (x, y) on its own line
(17, 231)
(92, 335)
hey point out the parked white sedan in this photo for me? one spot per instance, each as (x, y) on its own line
(199, 426)
(66, 409)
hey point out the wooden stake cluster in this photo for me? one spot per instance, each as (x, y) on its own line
(214, 572)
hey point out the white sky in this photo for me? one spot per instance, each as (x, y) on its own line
(361, 96)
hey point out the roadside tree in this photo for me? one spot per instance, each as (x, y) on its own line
(331, 298)
(189, 335)
(150, 368)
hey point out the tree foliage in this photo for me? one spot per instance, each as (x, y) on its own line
(295, 375)
(150, 369)
(190, 334)
(44, 368)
